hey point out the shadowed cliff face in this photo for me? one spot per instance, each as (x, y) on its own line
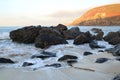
(99, 15)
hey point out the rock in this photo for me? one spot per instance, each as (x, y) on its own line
(71, 62)
(25, 35)
(115, 50)
(118, 59)
(67, 57)
(27, 64)
(56, 65)
(93, 44)
(44, 55)
(99, 35)
(100, 50)
(4, 60)
(83, 38)
(87, 53)
(117, 77)
(61, 27)
(48, 37)
(114, 41)
(113, 38)
(71, 33)
(101, 60)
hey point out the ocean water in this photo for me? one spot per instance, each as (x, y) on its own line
(21, 53)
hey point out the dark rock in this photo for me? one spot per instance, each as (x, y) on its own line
(117, 77)
(83, 38)
(48, 37)
(27, 64)
(61, 27)
(101, 60)
(25, 35)
(4, 60)
(93, 44)
(71, 33)
(87, 53)
(99, 35)
(118, 58)
(67, 57)
(115, 50)
(101, 51)
(114, 41)
(56, 65)
(44, 55)
(71, 62)
(113, 37)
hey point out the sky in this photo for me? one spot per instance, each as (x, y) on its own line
(45, 12)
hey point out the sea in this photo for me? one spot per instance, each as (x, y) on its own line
(21, 53)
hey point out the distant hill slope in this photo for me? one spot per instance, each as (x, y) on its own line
(99, 15)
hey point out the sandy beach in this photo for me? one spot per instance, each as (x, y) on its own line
(103, 71)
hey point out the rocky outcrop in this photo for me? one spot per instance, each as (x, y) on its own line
(48, 37)
(113, 37)
(117, 77)
(25, 35)
(43, 37)
(71, 33)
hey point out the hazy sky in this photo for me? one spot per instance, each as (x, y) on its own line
(45, 12)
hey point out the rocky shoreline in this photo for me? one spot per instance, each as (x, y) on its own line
(44, 37)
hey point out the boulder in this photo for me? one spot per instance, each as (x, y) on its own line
(113, 37)
(101, 60)
(25, 34)
(27, 64)
(56, 65)
(4, 60)
(83, 38)
(67, 57)
(87, 53)
(48, 37)
(71, 33)
(99, 33)
(115, 50)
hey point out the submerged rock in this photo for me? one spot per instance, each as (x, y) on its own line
(87, 53)
(117, 77)
(101, 60)
(48, 53)
(4, 60)
(27, 64)
(71, 62)
(56, 65)
(67, 57)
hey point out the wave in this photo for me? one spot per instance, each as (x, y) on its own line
(4, 36)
